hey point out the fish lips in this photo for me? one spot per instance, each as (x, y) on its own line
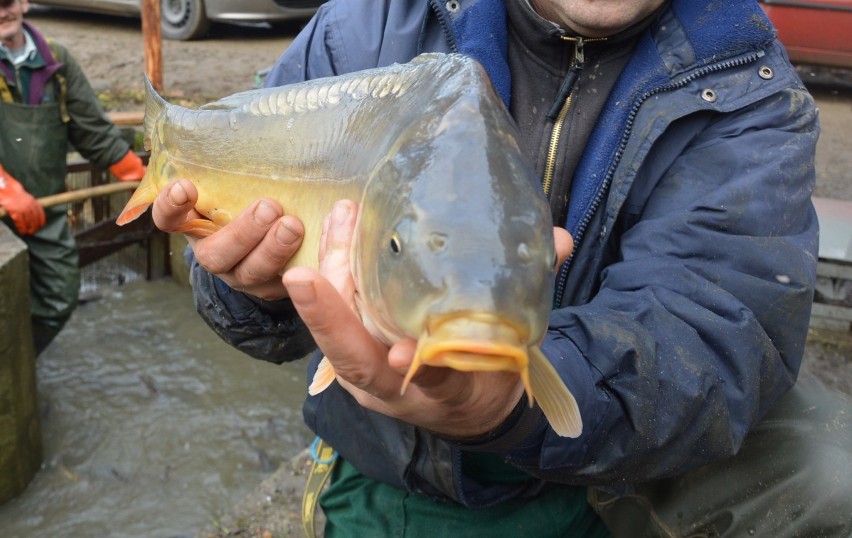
(471, 342)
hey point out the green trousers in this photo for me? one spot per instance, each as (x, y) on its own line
(356, 507)
(792, 478)
(54, 277)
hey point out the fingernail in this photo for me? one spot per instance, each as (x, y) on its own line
(286, 236)
(302, 293)
(264, 213)
(339, 213)
(177, 195)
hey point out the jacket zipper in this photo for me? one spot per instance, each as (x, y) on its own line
(446, 25)
(562, 278)
(562, 104)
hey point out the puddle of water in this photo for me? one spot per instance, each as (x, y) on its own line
(152, 426)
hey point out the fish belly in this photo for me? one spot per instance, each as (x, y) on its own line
(222, 195)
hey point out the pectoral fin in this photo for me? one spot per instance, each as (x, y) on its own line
(323, 377)
(199, 227)
(554, 398)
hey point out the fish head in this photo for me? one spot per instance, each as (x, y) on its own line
(455, 244)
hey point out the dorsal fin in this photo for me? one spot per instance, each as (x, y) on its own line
(154, 106)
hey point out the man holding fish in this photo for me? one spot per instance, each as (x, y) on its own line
(674, 144)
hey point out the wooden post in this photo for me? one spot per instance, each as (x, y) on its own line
(152, 34)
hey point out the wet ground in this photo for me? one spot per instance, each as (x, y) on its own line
(151, 425)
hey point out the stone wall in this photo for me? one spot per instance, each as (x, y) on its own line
(20, 433)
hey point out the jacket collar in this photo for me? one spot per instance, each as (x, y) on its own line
(704, 32)
(688, 36)
(41, 75)
(27, 54)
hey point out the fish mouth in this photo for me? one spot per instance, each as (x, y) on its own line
(472, 342)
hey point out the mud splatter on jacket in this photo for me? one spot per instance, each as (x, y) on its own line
(682, 314)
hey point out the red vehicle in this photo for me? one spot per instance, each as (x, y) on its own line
(814, 31)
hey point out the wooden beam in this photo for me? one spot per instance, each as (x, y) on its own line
(152, 34)
(82, 194)
(136, 117)
(107, 237)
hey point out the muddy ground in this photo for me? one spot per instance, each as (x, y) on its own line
(110, 51)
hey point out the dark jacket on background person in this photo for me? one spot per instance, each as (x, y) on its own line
(681, 316)
(47, 104)
(56, 77)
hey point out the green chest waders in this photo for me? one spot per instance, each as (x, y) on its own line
(33, 146)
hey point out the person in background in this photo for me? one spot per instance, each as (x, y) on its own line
(46, 103)
(676, 145)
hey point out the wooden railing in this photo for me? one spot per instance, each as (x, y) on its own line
(92, 219)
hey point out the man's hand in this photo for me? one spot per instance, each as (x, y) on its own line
(24, 210)
(442, 400)
(564, 244)
(248, 253)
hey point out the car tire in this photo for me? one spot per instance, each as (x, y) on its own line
(184, 20)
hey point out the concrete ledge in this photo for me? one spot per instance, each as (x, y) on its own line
(20, 432)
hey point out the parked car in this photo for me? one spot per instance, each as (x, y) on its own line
(815, 32)
(190, 19)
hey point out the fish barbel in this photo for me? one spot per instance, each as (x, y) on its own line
(453, 244)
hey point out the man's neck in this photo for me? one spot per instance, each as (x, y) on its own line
(21, 50)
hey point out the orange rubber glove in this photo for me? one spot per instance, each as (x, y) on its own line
(25, 211)
(129, 168)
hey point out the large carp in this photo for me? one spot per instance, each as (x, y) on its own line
(454, 241)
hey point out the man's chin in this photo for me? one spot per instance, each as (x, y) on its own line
(9, 31)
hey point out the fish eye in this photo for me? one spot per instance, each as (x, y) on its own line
(396, 244)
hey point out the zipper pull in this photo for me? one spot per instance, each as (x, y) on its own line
(579, 53)
(570, 79)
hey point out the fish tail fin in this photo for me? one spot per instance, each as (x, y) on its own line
(554, 398)
(323, 377)
(154, 107)
(142, 197)
(146, 192)
(199, 227)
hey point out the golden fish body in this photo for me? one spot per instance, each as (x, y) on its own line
(283, 143)
(453, 244)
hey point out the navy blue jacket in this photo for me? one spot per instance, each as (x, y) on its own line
(682, 315)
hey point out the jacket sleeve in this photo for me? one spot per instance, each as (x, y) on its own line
(699, 325)
(349, 36)
(266, 330)
(89, 130)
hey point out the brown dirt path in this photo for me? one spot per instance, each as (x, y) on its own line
(110, 50)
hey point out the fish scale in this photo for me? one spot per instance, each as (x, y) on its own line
(453, 243)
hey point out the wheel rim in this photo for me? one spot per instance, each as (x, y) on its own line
(176, 12)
